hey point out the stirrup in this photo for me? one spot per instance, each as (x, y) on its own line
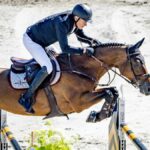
(27, 104)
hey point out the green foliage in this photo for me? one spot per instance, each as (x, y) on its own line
(49, 140)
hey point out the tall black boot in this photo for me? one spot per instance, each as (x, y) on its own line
(26, 100)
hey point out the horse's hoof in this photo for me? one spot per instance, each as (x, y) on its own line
(92, 117)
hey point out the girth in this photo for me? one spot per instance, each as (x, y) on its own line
(55, 111)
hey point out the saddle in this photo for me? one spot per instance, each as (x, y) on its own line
(23, 71)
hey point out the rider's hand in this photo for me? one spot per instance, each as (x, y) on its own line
(95, 42)
(89, 51)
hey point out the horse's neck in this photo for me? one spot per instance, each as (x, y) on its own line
(79, 63)
(87, 65)
(112, 56)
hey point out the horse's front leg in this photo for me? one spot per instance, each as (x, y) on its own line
(111, 96)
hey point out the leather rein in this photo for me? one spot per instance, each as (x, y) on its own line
(106, 67)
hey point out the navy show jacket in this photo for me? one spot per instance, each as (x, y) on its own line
(57, 28)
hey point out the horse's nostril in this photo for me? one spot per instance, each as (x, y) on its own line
(145, 88)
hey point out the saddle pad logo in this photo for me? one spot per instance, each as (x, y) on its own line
(18, 80)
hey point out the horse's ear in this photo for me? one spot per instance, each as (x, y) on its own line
(134, 47)
(139, 43)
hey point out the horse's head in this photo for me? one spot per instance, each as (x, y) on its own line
(129, 61)
(134, 68)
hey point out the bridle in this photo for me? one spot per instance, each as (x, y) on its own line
(130, 58)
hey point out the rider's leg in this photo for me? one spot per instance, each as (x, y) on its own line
(41, 57)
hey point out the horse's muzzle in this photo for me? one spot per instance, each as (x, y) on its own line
(145, 88)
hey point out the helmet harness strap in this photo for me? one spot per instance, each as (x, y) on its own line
(76, 22)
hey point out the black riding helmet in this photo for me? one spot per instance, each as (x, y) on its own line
(83, 11)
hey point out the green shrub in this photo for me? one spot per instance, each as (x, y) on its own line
(48, 140)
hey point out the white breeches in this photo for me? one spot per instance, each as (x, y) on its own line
(37, 52)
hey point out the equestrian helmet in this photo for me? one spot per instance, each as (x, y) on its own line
(83, 11)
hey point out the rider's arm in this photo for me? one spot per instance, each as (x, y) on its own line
(61, 33)
(82, 37)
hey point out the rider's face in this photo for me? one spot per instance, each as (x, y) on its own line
(81, 23)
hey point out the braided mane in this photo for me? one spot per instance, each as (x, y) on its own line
(109, 45)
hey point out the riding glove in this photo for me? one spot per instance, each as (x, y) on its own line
(95, 42)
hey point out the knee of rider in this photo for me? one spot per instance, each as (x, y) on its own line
(51, 48)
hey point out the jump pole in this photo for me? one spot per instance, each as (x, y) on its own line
(6, 133)
(3, 140)
(118, 128)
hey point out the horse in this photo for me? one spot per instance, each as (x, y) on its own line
(76, 89)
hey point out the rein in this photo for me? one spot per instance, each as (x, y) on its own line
(71, 70)
(105, 66)
(129, 59)
(102, 64)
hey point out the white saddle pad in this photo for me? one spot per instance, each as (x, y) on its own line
(18, 80)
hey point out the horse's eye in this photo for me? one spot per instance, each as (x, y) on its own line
(138, 61)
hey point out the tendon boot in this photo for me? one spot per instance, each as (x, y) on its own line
(27, 100)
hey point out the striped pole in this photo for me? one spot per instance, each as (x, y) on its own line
(11, 138)
(133, 137)
(6, 133)
(3, 140)
(117, 129)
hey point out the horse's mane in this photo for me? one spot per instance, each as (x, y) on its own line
(103, 45)
(64, 58)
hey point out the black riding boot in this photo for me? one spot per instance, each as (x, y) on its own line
(26, 100)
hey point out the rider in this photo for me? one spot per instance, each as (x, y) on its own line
(48, 31)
